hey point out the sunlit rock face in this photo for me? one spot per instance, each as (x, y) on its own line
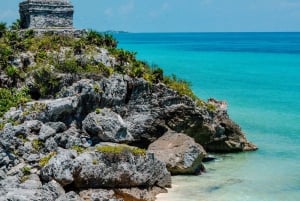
(45, 14)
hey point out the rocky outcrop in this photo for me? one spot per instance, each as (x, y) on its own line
(64, 146)
(106, 169)
(180, 153)
(138, 113)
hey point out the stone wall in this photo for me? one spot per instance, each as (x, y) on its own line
(43, 14)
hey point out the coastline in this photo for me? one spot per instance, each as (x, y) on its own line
(260, 86)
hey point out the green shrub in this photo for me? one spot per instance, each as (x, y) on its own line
(99, 39)
(46, 81)
(95, 162)
(3, 29)
(45, 160)
(119, 149)
(12, 71)
(68, 66)
(181, 86)
(37, 144)
(98, 111)
(12, 98)
(97, 89)
(22, 137)
(2, 124)
(26, 170)
(16, 25)
(41, 56)
(5, 53)
(79, 149)
(35, 108)
(211, 107)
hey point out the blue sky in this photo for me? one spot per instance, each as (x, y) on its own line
(178, 15)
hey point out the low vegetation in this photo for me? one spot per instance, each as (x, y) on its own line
(26, 172)
(78, 149)
(119, 149)
(12, 98)
(50, 56)
(37, 144)
(45, 160)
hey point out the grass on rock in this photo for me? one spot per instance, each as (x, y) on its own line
(55, 55)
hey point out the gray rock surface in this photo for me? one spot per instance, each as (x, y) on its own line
(61, 167)
(107, 125)
(180, 152)
(46, 132)
(140, 194)
(99, 195)
(70, 196)
(30, 190)
(145, 111)
(94, 169)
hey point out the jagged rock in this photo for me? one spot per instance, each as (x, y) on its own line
(99, 195)
(70, 196)
(71, 137)
(14, 142)
(180, 153)
(121, 170)
(46, 132)
(147, 110)
(107, 125)
(106, 170)
(136, 194)
(225, 135)
(57, 126)
(100, 55)
(7, 160)
(114, 90)
(61, 167)
(2, 175)
(31, 189)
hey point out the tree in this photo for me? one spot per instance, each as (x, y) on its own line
(3, 29)
(16, 25)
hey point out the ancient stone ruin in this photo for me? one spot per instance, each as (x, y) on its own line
(46, 14)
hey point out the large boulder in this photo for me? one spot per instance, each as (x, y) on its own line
(109, 166)
(180, 152)
(107, 125)
(116, 166)
(61, 167)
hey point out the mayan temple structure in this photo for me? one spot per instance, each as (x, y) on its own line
(46, 14)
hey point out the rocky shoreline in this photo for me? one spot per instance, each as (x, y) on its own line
(105, 137)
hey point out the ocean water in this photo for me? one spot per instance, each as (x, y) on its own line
(258, 74)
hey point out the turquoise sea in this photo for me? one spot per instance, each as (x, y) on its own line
(258, 74)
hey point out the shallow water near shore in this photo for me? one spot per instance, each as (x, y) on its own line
(258, 74)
